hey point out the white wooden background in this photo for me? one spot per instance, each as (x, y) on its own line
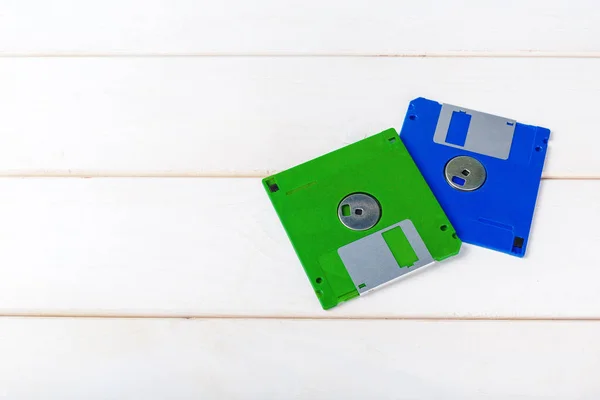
(140, 258)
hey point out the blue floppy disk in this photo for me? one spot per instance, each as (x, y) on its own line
(484, 170)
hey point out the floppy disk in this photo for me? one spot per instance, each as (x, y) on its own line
(484, 170)
(360, 217)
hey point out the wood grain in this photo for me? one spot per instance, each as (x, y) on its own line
(126, 27)
(253, 116)
(214, 247)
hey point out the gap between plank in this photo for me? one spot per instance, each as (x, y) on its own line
(296, 318)
(168, 175)
(451, 54)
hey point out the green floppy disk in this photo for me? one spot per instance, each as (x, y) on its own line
(360, 217)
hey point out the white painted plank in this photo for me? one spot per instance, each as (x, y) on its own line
(194, 247)
(275, 359)
(298, 27)
(251, 116)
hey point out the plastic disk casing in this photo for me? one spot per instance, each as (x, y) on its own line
(360, 217)
(485, 170)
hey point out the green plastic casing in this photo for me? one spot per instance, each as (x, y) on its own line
(306, 199)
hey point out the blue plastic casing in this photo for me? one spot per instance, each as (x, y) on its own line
(498, 215)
